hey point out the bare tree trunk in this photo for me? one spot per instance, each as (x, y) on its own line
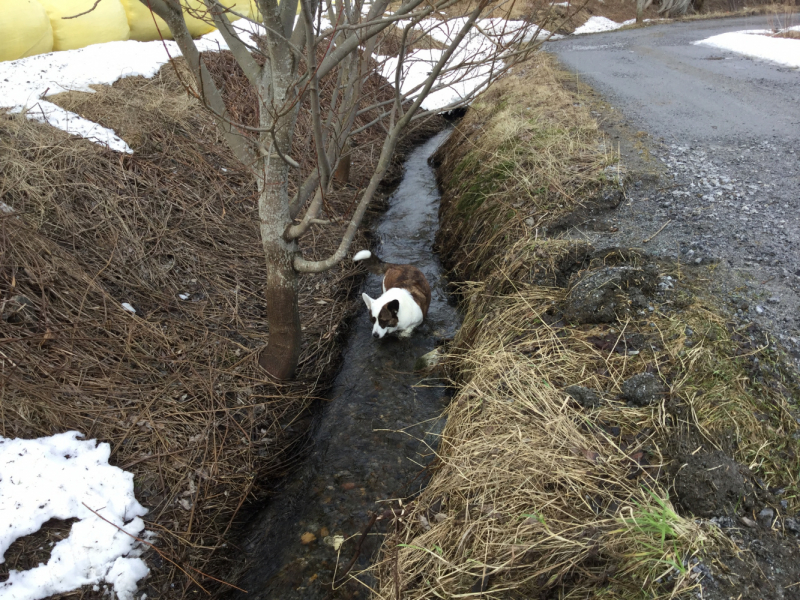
(342, 173)
(279, 359)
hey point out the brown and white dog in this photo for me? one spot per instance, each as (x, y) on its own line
(405, 300)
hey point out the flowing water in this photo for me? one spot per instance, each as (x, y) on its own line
(374, 435)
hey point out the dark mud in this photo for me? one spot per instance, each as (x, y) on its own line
(375, 433)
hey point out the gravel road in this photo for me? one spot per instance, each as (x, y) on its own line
(721, 133)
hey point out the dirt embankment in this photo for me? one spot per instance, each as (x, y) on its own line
(175, 388)
(612, 431)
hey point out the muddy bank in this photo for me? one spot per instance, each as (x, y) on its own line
(726, 203)
(613, 430)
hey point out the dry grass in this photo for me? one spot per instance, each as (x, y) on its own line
(523, 156)
(175, 389)
(791, 35)
(715, 9)
(533, 494)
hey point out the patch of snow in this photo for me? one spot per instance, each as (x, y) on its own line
(753, 43)
(598, 24)
(52, 478)
(47, 112)
(128, 307)
(25, 82)
(468, 70)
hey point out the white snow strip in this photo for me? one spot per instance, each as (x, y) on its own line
(52, 478)
(753, 43)
(24, 82)
(128, 307)
(47, 112)
(598, 24)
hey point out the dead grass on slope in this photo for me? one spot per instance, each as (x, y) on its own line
(542, 490)
(175, 388)
(526, 154)
(534, 493)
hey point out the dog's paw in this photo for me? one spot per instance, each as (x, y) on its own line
(406, 333)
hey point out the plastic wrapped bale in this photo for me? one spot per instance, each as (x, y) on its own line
(24, 29)
(241, 7)
(106, 23)
(198, 21)
(145, 26)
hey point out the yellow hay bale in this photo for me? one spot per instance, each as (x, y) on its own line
(24, 30)
(242, 7)
(106, 23)
(145, 26)
(198, 21)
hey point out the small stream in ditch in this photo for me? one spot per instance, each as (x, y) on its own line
(376, 432)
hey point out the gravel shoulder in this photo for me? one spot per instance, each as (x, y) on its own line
(708, 140)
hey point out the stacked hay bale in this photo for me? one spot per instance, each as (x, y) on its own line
(25, 29)
(32, 27)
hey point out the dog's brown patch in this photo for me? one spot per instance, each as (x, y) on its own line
(409, 278)
(387, 317)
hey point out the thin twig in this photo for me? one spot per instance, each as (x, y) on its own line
(165, 557)
(657, 232)
(83, 13)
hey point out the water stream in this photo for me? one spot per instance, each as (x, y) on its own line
(373, 436)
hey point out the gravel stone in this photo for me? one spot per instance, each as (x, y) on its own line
(642, 389)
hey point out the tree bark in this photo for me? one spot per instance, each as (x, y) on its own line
(279, 359)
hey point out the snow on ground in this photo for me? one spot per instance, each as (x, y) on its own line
(598, 24)
(758, 43)
(467, 71)
(52, 478)
(25, 82)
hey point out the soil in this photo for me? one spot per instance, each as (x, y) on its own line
(602, 295)
(710, 483)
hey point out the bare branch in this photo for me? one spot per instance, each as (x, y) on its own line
(293, 232)
(239, 49)
(313, 89)
(206, 90)
(83, 13)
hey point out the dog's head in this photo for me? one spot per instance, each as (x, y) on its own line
(382, 314)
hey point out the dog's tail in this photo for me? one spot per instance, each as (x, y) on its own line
(372, 262)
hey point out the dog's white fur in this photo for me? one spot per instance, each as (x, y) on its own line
(409, 315)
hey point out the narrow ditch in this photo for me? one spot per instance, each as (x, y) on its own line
(375, 432)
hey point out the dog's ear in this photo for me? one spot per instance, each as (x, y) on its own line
(393, 307)
(367, 301)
